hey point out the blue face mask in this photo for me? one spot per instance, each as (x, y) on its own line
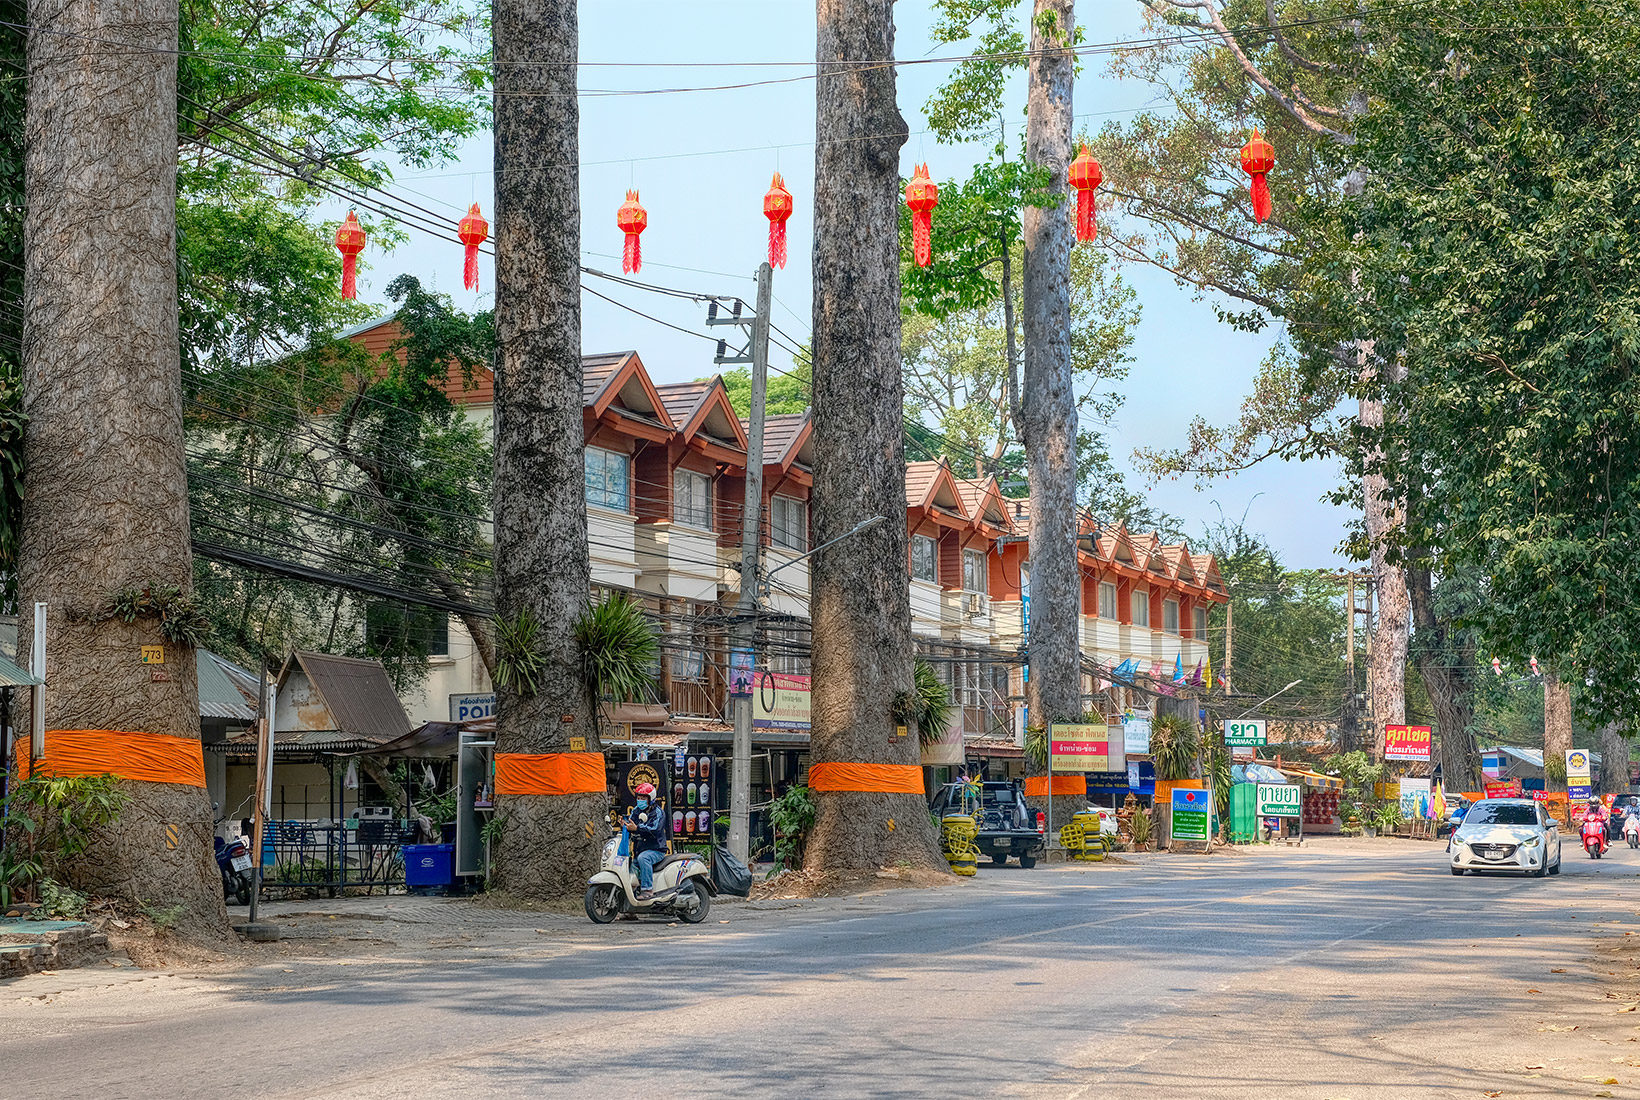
(643, 803)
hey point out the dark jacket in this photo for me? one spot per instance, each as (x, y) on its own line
(650, 834)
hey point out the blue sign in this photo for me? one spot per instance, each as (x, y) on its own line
(1584, 793)
(1190, 813)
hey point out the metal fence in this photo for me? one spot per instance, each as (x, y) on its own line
(330, 856)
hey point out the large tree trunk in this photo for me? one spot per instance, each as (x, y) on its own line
(549, 842)
(1048, 407)
(1557, 730)
(861, 602)
(1447, 670)
(1614, 761)
(107, 506)
(1387, 662)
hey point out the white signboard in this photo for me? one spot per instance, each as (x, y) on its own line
(465, 708)
(1136, 734)
(1414, 792)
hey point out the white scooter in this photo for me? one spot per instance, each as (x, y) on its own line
(683, 886)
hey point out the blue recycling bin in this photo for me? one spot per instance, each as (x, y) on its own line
(429, 868)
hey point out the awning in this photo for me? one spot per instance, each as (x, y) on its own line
(1313, 779)
(13, 676)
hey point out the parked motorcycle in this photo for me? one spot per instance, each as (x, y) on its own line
(233, 859)
(1594, 837)
(683, 886)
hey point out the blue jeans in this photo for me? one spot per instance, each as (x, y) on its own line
(646, 868)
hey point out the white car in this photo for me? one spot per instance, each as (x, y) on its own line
(1507, 834)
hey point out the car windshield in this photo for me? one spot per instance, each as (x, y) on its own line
(1482, 814)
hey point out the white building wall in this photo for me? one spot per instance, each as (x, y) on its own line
(612, 547)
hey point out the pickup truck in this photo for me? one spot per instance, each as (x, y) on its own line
(1007, 826)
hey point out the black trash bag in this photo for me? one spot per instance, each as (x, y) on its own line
(731, 875)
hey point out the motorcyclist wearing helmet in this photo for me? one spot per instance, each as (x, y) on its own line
(647, 821)
(1597, 812)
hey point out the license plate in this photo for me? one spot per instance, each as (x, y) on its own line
(1003, 843)
(241, 863)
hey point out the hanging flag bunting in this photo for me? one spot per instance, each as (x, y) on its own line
(473, 231)
(1535, 667)
(1257, 158)
(777, 207)
(350, 242)
(1086, 176)
(632, 219)
(1497, 667)
(921, 196)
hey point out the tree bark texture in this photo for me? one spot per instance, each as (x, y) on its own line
(860, 600)
(1387, 661)
(107, 501)
(1614, 761)
(548, 843)
(1447, 670)
(1048, 401)
(1557, 728)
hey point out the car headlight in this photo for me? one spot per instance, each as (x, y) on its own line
(1532, 842)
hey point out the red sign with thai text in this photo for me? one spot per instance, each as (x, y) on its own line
(1504, 788)
(1407, 742)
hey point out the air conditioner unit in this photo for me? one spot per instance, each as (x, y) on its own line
(974, 605)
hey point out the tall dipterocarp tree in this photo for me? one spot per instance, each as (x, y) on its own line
(1048, 393)
(1293, 69)
(105, 538)
(550, 785)
(1491, 248)
(867, 780)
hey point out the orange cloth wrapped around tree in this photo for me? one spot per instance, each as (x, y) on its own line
(143, 757)
(868, 778)
(550, 773)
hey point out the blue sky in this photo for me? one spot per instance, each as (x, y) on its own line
(702, 161)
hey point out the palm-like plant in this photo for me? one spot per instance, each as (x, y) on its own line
(618, 649)
(1173, 745)
(928, 705)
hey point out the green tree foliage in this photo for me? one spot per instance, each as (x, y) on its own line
(1289, 625)
(1494, 245)
(280, 104)
(789, 390)
(356, 464)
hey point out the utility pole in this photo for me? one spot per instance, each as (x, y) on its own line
(1348, 730)
(744, 634)
(1373, 732)
(1229, 644)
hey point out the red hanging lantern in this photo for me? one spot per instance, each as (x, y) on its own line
(474, 231)
(777, 207)
(922, 195)
(350, 242)
(1085, 176)
(1257, 158)
(632, 219)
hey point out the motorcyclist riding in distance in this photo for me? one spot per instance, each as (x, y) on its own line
(648, 824)
(1597, 812)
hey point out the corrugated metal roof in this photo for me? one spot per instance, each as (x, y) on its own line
(11, 676)
(358, 694)
(218, 697)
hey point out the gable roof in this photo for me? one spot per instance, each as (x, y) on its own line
(702, 408)
(786, 438)
(617, 380)
(984, 501)
(357, 695)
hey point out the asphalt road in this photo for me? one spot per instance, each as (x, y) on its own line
(1336, 971)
